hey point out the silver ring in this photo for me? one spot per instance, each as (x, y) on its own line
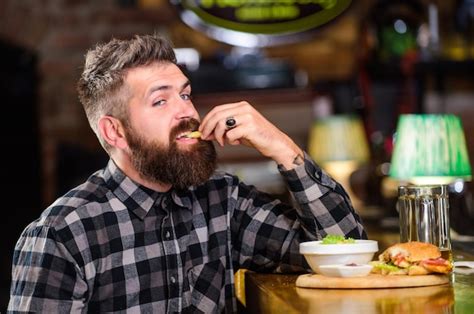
(230, 123)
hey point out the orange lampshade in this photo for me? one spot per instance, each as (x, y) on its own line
(338, 138)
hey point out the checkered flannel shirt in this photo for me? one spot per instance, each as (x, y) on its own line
(113, 245)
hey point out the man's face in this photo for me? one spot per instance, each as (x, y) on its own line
(160, 111)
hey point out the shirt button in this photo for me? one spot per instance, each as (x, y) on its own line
(167, 235)
(173, 280)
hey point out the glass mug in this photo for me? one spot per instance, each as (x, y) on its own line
(424, 216)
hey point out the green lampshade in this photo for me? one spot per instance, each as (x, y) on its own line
(430, 149)
(338, 138)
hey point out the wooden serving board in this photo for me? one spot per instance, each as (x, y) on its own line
(370, 281)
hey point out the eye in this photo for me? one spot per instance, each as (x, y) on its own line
(186, 96)
(159, 102)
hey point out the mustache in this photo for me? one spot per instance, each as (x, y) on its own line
(190, 124)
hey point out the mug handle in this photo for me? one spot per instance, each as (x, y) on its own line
(425, 220)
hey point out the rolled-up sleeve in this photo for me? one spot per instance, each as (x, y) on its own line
(322, 203)
(267, 233)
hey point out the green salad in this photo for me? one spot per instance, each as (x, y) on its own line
(385, 267)
(337, 239)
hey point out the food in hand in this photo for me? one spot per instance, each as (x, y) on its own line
(411, 258)
(336, 239)
(194, 134)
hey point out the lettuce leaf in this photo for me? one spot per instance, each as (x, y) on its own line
(336, 239)
(387, 269)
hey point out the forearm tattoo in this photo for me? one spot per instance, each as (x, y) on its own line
(299, 160)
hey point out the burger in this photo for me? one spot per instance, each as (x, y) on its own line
(411, 258)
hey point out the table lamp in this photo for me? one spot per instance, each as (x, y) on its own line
(429, 153)
(338, 143)
(430, 149)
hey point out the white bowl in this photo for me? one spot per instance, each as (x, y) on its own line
(317, 254)
(345, 270)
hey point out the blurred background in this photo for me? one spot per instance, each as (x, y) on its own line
(370, 64)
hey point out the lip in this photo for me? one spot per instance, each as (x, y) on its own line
(186, 140)
(189, 135)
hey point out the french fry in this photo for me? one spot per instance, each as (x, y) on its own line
(195, 134)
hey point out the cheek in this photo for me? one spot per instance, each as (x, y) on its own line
(155, 128)
(151, 135)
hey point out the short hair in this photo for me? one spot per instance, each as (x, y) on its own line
(100, 87)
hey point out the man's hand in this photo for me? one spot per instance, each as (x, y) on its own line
(251, 129)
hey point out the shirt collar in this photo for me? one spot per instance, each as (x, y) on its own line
(138, 198)
(182, 198)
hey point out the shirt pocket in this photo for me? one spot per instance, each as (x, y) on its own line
(207, 282)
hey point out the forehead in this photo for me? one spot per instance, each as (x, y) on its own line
(155, 73)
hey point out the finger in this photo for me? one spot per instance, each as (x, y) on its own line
(217, 110)
(224, 127)
(217, 114)
(211, 137)
(234, 143)
(233, 136)
(217, 131)
(241, 132)
(219, 134)
(217, 120)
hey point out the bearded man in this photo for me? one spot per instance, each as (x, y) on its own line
(159, 229)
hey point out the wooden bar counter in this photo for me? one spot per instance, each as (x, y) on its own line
(277, 293)
(272, 293)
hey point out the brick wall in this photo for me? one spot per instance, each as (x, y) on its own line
(61, 31)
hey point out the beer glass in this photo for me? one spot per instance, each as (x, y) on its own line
(424, 216)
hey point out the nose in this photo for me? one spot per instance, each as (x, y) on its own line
(186, 109)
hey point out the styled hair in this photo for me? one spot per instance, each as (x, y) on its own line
(101, 86)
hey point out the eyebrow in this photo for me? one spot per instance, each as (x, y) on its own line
(166, 87)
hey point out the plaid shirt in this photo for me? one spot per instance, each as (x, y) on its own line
(113, 245)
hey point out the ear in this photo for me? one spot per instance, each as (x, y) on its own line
(112, 131)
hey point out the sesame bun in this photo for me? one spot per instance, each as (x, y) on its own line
(413, 251)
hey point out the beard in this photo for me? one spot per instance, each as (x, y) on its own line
(181, 168)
